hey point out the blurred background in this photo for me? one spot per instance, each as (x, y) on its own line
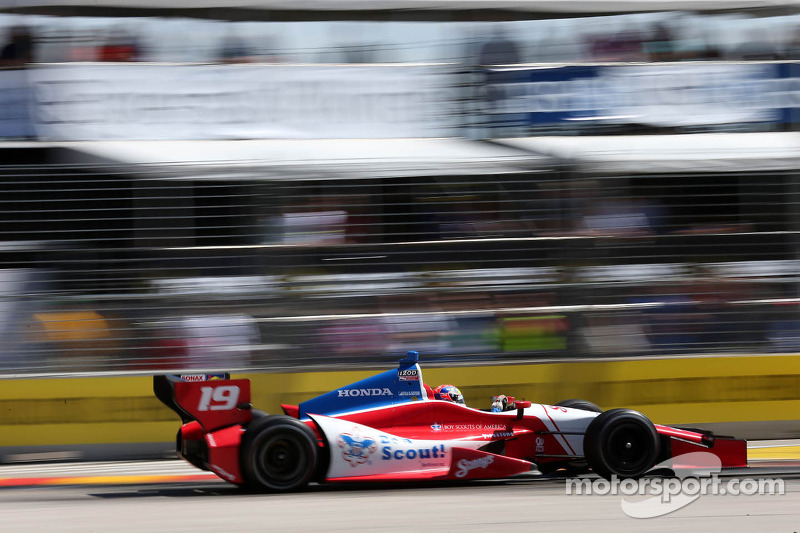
(311, 185)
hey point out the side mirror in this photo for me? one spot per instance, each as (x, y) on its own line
(521, 405)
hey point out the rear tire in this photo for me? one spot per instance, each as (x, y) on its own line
(278, 454)
(622, 443)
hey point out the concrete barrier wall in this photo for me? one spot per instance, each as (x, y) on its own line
(760, 393)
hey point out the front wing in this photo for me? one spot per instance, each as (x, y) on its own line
(680, 449)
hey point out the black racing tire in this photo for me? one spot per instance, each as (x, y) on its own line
(622, 443)
(258, 414)
(583, 405)
(278, 454)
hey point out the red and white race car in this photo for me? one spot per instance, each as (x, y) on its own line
(389, 427)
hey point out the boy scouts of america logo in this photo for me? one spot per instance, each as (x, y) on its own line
(356, 448)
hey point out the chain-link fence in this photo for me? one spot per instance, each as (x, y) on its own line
(135, 268)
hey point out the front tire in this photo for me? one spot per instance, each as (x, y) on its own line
(622, 443)
(278, 454)
(578, 466)
(583, 405)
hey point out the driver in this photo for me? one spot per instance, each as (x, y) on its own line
(449, 393)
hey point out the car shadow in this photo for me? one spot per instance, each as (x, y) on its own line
(190, 490)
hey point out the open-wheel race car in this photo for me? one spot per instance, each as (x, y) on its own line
(390, 427)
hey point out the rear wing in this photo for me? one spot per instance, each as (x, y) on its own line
(213, 400)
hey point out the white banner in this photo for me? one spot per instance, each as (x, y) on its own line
(137, 101)
(15, 105)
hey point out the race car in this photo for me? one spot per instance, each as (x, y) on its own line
(390, 427)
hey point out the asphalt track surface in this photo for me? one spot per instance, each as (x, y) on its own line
(173, 496)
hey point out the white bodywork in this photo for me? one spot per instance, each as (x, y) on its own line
(568, 425)
(358, 450)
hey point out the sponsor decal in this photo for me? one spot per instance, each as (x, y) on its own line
(498, 435)
(201, 377)
(436, 427)
(357, 393)
(413, 393)
(539, 445)
(410, 374)
(356, 448)
(427, 452)
(465, 465)
(479, 427)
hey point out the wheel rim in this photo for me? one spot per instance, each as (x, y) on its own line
(282, 460)
(628, 449)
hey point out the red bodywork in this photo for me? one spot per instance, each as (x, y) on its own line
(483, 444)
(731, 452)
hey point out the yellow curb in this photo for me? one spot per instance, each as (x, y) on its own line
(774, 452)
